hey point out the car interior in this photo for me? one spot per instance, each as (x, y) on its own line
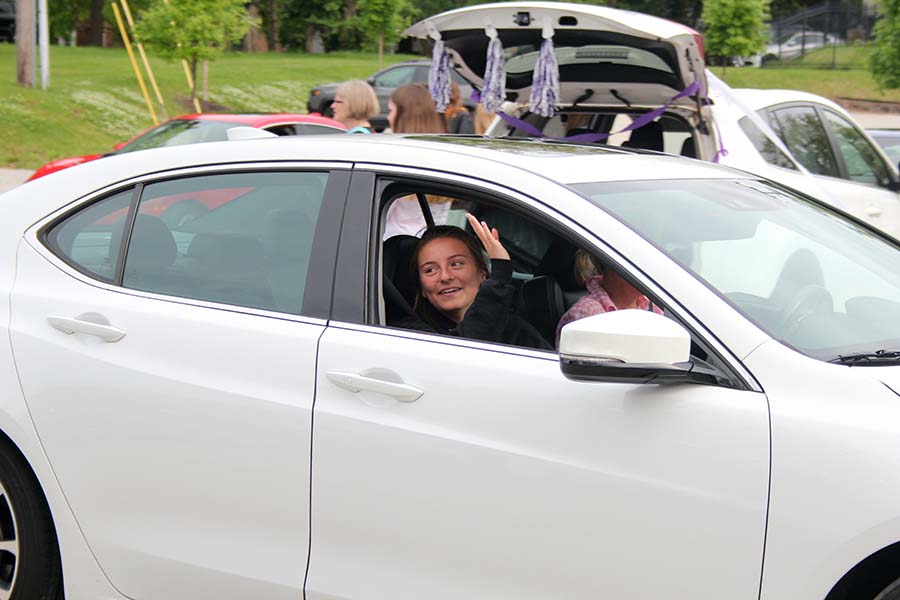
(668, 133)
(543, 260)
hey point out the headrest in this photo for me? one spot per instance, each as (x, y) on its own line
(648, 137)
(397, 253)
(688, 148)
(287, 233)
(152, 245)
(559, 262)
(232, 250)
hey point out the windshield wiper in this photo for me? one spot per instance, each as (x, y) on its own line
(881, 357)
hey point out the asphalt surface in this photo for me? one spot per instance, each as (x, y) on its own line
(10, 178)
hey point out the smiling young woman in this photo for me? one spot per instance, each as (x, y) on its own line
(457, 294)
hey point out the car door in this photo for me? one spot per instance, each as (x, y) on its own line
(387, 81)
(463, 469)
(843, 161)
(167, 355)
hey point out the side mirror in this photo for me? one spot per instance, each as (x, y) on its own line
(636, 346)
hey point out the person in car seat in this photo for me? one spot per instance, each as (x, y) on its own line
(456, 295)
(607, 291)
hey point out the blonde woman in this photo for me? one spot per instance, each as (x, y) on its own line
(354, 104)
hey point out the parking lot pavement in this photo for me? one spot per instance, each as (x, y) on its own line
(877, 120)
(10, 178)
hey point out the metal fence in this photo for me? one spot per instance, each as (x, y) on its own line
(830, 35)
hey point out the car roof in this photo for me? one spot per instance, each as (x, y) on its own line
(758, 99)
(562, 163)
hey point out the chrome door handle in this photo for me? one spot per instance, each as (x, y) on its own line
(89, 324)
(356, 382)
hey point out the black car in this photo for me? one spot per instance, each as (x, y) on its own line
(384, 82)
(7, 21)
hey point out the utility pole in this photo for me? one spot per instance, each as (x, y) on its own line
(25, 42)
(44, 43)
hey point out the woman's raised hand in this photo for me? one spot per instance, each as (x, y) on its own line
(490, 238)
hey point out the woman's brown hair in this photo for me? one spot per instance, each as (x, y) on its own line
(416, 112)
(423, 307)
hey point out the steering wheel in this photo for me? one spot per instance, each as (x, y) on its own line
(808, 300)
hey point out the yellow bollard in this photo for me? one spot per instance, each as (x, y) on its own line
(140, 47)
(134, 64)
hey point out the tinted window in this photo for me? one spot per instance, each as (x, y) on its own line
(766, 148)
(90, 239)
(395, 77)
(861, 160)
(176, 133)
(239, 239)
(802, 132)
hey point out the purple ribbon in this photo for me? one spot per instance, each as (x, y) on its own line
(592, 138)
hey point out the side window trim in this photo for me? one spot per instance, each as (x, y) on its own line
(128, 227)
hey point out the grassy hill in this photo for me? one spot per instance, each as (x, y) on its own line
(94, 101)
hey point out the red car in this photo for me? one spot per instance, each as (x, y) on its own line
(193, 129)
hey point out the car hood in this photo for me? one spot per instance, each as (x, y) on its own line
(614, 53)
(889, 376)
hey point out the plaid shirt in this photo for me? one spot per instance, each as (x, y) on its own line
(596, 302)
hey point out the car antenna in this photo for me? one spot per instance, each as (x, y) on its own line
(619, 97)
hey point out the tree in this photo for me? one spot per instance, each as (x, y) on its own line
(884, 61)
(300, 19)
(734, 28)
(381, 21)
(193, 30)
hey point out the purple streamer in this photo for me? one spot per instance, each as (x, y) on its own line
(439, 76)
(494, 90)
(545, 82)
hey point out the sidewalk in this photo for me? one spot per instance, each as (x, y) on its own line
(10, 178)
(877, 120)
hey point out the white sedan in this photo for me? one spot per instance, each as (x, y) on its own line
(227, 406)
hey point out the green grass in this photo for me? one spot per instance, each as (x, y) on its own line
(94, 101)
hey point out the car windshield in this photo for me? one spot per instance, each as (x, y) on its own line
(811, 278)
(179, 132)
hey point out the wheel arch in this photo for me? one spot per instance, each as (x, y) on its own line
(870, 576)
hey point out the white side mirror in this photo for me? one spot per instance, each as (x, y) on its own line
(625, 345)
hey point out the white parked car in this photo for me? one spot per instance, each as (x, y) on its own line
(825, 153)
(226, 407)
(618, 66)
(798, 44)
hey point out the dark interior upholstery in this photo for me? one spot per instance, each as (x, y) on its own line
(689, 148)
(553, 290)
(229, 268)
(151, 253)
(398, 277)
(648, 137)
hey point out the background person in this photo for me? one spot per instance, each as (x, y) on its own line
(411, 109)
(606, 291)
(354, 104)
(459, 120)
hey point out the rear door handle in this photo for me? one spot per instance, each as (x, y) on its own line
(89, 324)
(356, 382)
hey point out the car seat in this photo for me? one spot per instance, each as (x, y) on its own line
(689, 148)
(288, 237)
(398, 278)
(553, 290)
(648, 137)
(229, 268)
(151, 254)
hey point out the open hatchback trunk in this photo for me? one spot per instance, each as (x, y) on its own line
(614, 66)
